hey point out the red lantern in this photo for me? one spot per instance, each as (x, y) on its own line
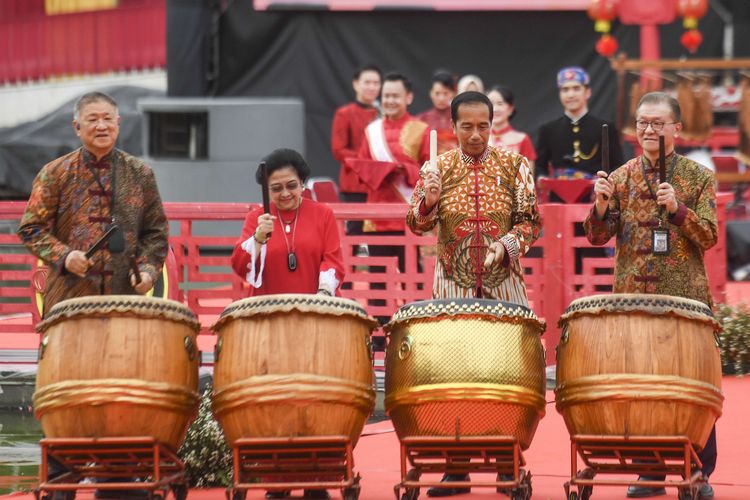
(691, 40)
(606, 46)
(602, 12)
(692, 10)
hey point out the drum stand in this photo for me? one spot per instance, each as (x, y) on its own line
(279, 464)
(647, 456)
(139, 463)
(500, 455)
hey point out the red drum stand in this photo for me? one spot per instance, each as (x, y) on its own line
(279, 464)
(500, 455)
(140, 463)
(641, 455)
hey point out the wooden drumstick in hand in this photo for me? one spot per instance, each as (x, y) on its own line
(433, 155)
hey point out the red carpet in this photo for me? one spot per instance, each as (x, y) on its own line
(377, 458)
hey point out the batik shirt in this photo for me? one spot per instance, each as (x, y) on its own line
(633, 214)
(68, 210)
(483, 200)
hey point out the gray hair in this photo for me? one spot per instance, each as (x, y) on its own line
(90, 97)
(662, 98)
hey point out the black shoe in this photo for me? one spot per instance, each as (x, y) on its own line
(278, 494)
(505, 477)
(449, 492)
(645, 491)
(316, 494)
(706, 491)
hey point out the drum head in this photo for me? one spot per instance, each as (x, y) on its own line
(626, 303)
(493, 310)
(118, 305)
(305, 303)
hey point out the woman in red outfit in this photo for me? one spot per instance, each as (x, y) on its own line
(295, 248)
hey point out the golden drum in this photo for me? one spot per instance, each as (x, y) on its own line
(118, 366)
(467, 367)
(639, 365)
(293, 365)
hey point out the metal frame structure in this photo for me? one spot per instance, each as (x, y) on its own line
(134, 463)
(279, 464)
(628, 455)
(500, 455)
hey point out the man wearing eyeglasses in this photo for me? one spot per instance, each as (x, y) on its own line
(76, 198)
(662, 226)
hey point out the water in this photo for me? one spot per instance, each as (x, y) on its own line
(19, 450)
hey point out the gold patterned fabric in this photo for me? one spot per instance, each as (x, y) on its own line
(633, 214)
(483, 200)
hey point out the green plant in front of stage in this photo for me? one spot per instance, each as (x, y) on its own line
(207, 457)
(735, 338)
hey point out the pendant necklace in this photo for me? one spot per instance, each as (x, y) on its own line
(291, 257)
(288, 225)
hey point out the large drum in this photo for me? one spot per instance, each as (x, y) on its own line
(118, 366)
(639, 365)
(293, 365)
(468, 367)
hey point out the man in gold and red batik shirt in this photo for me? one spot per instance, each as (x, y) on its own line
(396, 145)
(483, 201)
(438, 118)
(348, 129)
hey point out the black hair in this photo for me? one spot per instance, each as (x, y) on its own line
(398, 77)
(662, 98)
(469, 97)
(282, 158)
(444, 78)
(367, 67)
(507, 96)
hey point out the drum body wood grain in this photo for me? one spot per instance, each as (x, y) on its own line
(293, 365)
(639, 365)
(468, 367)
(118, 366)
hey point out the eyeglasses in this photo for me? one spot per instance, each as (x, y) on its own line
(656, 126)
(290, 186)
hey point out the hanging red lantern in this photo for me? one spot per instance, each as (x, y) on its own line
(691, 10)
(691, 40)
(602, 12)
(607, 45)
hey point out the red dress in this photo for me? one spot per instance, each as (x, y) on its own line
(347, 134)
(314, 238)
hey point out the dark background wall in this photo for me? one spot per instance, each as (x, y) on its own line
(231, 50)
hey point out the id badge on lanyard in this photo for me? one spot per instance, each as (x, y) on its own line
(660, 241)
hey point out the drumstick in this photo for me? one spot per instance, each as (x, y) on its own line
(266, 198)
(101, 241)
(134, 268)
(662, 160)
(433, 153)
(605, 151)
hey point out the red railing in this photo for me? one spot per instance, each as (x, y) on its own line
(207, 284)
(36, 46)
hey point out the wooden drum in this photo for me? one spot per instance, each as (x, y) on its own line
(293, 365)
(639, 365)
(118, 366)
(467, 367)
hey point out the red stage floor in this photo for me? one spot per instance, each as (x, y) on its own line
(377, 457)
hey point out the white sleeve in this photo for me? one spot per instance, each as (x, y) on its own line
(249, 246)
(328, 281)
